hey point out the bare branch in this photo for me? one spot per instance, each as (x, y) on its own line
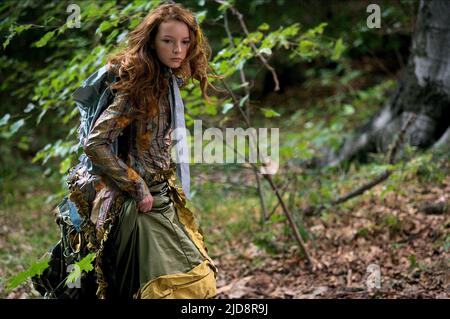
(246, 119)
(288, 214)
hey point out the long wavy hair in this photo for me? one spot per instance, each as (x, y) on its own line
(140, 72)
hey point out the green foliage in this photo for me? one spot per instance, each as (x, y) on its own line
(84, 264)
(15, 30)
(36, 269)
(269, 112)
(306, 45)
(43, 41)
(47, 90)
(7, 130)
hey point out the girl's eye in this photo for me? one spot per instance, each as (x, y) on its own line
(169, 41)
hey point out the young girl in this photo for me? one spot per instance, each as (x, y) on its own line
(154, 248)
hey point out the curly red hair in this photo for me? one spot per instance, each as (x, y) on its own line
(138, 67)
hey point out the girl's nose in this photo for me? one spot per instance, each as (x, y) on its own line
(177, 48)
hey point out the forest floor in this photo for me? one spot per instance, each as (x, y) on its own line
(403, 241)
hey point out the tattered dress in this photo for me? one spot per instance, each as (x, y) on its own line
(157, 254)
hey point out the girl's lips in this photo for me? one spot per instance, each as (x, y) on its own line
(176, 59)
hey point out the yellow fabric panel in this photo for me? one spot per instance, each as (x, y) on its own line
(199, 283)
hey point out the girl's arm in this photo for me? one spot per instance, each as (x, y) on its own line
(105, 130)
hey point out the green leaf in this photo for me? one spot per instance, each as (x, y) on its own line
(226, 107)
(201, 16)
(8, 39)
(23, 27)
(318, 30)
(73, 276)
(41, 115)
(243, 100)
(339, 47)
(266, 51)
(29, 108)
(306, 46)
(225, 5)
(84, 264)
(64, 165)
(16, 126)
(43, 41)
(24, 143)
(90, 10)
(134, 22)
(4, 120)
(277, 218)
(105, 25)
(254, 37)
(264, 27)
(210, 109)
(348, 109)
(112, 35)
(15, 30)
(269, 112)
(291, 31)
(36, 269)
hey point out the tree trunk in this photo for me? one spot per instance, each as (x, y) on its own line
(424, 89)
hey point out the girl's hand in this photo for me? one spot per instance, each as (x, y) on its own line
(146, 204)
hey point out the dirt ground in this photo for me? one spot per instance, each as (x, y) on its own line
(392, 248)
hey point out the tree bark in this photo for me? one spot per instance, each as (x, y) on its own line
(423, 89)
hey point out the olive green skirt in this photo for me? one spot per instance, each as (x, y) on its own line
(161, 253)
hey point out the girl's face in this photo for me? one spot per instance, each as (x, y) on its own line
(172, 43)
